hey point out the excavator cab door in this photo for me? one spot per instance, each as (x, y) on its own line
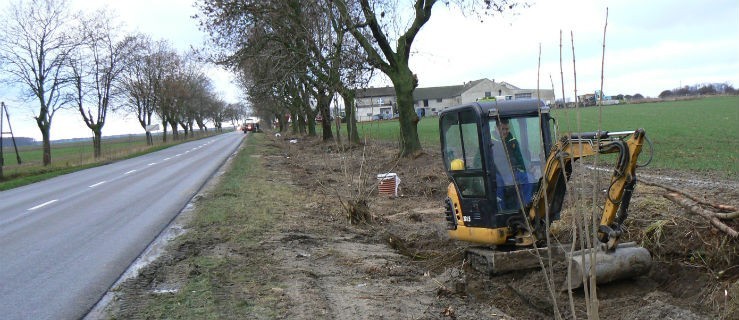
(518, 154)
(462, 142)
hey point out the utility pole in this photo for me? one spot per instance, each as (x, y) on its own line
(4, 110)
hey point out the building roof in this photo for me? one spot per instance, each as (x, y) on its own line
(375, 92)
(509, 86)
(436, 92)
(420, 93)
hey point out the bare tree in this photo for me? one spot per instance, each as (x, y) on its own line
(290, 55)
(168, 90)
(197, 87)
(138, 83)
(392, 62)
(33, 51)
(372, 25)
(96, 66)
(264, 43)
(141, 83)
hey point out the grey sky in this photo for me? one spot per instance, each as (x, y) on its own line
(650, 46)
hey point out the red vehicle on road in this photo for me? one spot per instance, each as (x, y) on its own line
(250, 126)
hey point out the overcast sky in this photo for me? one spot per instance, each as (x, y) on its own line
(650, 46)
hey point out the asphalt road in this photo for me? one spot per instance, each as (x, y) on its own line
(65, 241)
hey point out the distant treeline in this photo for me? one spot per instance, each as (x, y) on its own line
(701, 89)
(19, 141)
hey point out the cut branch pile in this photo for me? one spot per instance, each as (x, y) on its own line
(713, 217)
(719, 207)
(693, 205)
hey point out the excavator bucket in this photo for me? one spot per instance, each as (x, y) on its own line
(627, 261)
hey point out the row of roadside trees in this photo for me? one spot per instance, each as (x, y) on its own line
(294, 56)
(84, 61)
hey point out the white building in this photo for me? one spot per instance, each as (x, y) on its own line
(380, 101)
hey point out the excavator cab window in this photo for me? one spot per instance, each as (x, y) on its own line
(461, 150)
(518, 158)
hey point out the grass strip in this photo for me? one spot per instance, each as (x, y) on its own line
(225, 273)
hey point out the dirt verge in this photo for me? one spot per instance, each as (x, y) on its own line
(301, 259)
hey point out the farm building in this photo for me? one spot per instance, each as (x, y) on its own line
(374, 102)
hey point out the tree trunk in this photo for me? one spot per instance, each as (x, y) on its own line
(324, 102)
(337, 122)
(405, 82)
(175, 132)
(164, 135)
(294, 116)
(283, 122)
(46, 143)
(97, 136)
(311, 120)
(149, 139)
(351, 119)
(302, 127)
(185, 129)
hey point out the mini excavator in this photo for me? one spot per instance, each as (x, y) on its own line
(508, 182)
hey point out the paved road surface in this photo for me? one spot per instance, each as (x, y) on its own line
(65, 241)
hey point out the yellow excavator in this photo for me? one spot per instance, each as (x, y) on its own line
(508, 183)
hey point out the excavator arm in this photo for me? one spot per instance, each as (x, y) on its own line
(558, 167)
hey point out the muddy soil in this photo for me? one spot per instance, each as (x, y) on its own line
(400, 263)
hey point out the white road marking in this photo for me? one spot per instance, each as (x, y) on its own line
(151, 164)
(43, 204)
(132, 171)
(177, 155)
(165, 159)
(97, 184)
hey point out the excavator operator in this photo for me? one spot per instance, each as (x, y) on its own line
(507, 196)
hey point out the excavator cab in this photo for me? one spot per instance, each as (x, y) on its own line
(508, 177)
(494, 153)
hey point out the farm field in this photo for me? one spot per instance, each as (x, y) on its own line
(696, 135)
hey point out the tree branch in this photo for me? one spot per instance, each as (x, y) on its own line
(720, 207)
(694, 208)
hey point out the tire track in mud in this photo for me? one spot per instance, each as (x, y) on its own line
(339, 278)
(681, 181)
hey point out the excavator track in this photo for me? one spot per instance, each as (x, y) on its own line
(492, 262)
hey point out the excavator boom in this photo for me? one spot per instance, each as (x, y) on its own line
(628, 145)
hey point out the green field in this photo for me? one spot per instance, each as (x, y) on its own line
(696, 135)
(73, 152)
(69, 157)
